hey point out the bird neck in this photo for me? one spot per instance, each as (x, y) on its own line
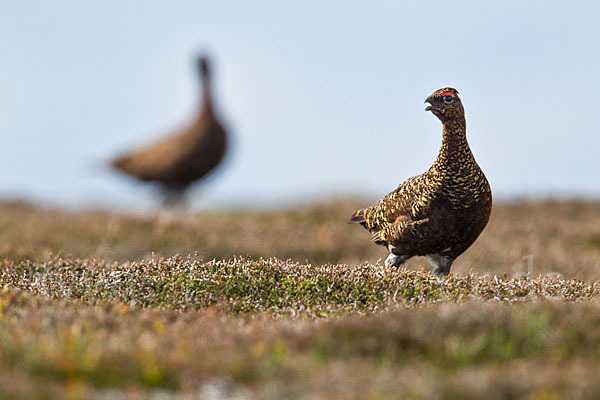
(455, 147)
(206, 93)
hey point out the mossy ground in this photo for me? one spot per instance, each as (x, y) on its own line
(293, 304)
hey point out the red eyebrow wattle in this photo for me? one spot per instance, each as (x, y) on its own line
(448, 93)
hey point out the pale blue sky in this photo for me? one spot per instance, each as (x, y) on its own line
(321, 97)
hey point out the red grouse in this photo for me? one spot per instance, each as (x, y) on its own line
(178, 160)
(441, 212)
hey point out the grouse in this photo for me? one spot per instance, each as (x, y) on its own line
(178, 160)
(441, 212)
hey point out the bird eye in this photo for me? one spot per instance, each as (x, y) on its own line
(448, 99)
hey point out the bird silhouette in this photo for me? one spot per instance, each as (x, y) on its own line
(441, 212)
(186, 156)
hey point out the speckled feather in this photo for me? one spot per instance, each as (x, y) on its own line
(442, 211)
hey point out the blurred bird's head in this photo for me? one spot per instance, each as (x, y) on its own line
(445, 104)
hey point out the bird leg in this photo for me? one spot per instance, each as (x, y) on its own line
(441, 265)
(394, 260)
(174, 198)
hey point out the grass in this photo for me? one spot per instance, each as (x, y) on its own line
(558, 237)
(98, 305)
(279, 288)
(469, 349)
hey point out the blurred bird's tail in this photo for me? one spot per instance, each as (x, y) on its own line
(97, 165)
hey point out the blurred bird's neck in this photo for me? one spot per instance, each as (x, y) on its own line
(206, 94)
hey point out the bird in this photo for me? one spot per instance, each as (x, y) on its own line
(441, 212)
(188, 155)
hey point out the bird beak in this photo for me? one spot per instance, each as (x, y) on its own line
(428, 100)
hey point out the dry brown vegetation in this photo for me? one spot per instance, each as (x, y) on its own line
(93, 305)
(560, 237)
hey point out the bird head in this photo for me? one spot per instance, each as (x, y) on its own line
(445, 104)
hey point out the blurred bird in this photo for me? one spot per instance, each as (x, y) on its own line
(441, 212)
(178, 160)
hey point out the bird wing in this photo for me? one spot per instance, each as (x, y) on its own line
(167, 156)
(155, 160)
(398, 216)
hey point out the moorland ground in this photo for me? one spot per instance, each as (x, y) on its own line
(294, 303)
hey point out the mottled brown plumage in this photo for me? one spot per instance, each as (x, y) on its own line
(184, 157)
(441, 212)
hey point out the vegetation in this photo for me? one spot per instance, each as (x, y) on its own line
(98, 305)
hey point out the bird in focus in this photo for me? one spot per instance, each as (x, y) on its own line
(441, 212)
(178, 160)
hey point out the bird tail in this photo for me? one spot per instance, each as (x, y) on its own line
(358, 218)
